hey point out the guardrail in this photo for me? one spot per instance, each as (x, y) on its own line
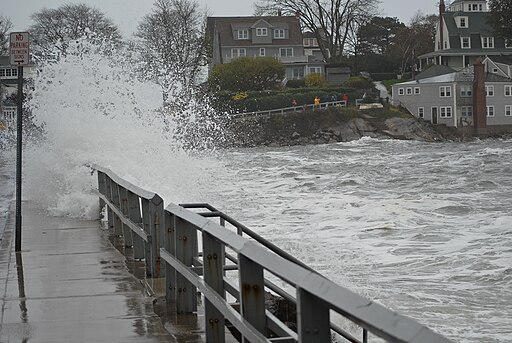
(297, 108)
(174, 237)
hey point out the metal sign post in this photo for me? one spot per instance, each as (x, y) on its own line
(18, 50)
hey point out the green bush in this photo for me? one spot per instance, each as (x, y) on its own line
(247, 73)
(358, 82)
(315, 81)
(296, 84)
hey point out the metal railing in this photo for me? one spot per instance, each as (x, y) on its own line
(297, 108)
(175, 236)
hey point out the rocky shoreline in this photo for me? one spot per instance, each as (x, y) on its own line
(331, 126)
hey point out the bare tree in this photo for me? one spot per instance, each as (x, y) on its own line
(5, 26)
(172, 44)
(332, 21)
(54, 28)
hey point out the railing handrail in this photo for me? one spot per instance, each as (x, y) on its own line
(152, 196)
(297, 108)
(171, 234)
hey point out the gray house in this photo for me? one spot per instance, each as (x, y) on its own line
(275, 36)
(463, 34)
(449, 98)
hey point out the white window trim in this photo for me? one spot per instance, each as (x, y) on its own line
(466, 91)
(468, 112)
(459, 22)
(508, 43)
(261, 31)
(285, 49)
(447, 90)
(490, 42)
(417, 90)
(462, 43)
(243, 34)
(408, 91)
(238, 52)
(401, 91)
(489, 110)
(447, 112)
(421, 112)
(276, 36)
(508, 108)
(489, 91)
(509, 87)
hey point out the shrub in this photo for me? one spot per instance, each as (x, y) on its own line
(295, 83)
(358, 82)
(315, 81)
(247, 73)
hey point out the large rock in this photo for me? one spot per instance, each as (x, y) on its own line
(410, 128)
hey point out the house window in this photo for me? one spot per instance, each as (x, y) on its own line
(487, 42)
(508, 43)
(446, 112)
(262, 51)
(463, 22)
(508, 90)
(297, 73)
(466, 91)
(416, 90)
(400, 91)
(286, 52)
(508, 110)
(421, 112)
(489, 90)
(310, 42)
(445, 91)
(2, 72)
(315, 70)
(490, 111)
(243, 34)
(467, 111)
(475, 7)
(465, 43)
(238, 52)
(261, 31)
(279, 33)
(8, 72)
(409, 91)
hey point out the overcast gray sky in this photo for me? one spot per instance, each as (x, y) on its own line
(127, 13)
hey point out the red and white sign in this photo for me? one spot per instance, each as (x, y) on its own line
(18, 48)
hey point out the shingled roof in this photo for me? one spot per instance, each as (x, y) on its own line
(223, 26)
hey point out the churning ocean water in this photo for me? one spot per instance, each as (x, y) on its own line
(423, 228)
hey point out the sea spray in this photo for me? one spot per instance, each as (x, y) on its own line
(93, 107)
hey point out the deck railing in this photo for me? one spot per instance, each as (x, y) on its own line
(198, 252)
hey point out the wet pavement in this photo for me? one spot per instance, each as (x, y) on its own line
(69, 284)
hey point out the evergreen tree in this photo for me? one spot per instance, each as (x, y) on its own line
(501, 17)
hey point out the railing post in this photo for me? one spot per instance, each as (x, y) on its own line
(146, 226)
(118, 230)
(127, 232)
(186, 250)
(108, 195)
(213, 272)
(135, 216)
(312, 319)
(102, 188)
(252, 293)
(170, 246)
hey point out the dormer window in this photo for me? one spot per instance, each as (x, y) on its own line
(243, 34)
(487, 42)
(465, 43)
(462, 22)
(508, 43)
(261, 32)
(279, 34)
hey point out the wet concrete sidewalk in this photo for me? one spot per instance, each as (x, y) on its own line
(70, 285)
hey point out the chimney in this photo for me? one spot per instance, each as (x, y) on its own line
(479, 98)
(442, 9)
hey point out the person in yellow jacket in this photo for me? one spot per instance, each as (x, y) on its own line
(317, 102)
